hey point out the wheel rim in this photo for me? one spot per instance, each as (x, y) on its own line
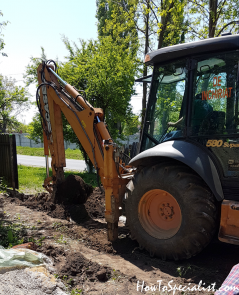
(159, 214)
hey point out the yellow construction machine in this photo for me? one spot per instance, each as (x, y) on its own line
(185, 178)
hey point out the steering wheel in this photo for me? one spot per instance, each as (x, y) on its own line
(174, 124)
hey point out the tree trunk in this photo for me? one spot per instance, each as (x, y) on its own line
(212, 18)
(4, 128)
(160, 41)
(3, 125)
(145, 71)
(166, 7)
(163, 26)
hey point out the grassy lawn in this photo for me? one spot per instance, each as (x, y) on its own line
(32, 178)
(28, 151)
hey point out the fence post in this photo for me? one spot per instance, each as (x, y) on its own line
(8, 160)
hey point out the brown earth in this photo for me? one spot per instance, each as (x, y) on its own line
(74, 235)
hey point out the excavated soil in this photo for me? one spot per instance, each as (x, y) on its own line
(73, 232)
(75, 267)
(70, 201)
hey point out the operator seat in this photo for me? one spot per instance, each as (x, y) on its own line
(201, 110)
(205, 120)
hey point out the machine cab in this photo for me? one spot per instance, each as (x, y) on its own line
(194, 97)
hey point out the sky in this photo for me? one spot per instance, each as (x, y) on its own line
(35, 24)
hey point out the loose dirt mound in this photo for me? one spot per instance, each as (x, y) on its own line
(73, 191)
(69, 201)
(75, 267)
(95, 205)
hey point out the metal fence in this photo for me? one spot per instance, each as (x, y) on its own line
(8, 160)
(130, 152)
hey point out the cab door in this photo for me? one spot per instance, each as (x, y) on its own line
(213, 119)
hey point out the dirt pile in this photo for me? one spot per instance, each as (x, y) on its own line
(75, 268)
(69, 201)
(73, 191)
(79, 268)
(95, 205)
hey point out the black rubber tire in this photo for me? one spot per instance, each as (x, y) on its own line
(197, 204)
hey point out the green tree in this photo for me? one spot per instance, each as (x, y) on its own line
(13, 100)
(131, 126)
(30, 75)
(105, 70)
(172, 25)
(2, 25)
(18, 127)
(35, 129)
(208, 19)
(117, 18)
(160, 24)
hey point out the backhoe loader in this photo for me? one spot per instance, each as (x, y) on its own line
(183, 183)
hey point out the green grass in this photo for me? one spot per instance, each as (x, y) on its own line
(32, 178)
(28, 151)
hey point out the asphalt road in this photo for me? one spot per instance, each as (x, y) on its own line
(41, 162)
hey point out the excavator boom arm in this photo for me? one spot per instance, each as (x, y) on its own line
(54, 96)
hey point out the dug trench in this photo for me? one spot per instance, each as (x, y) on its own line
(71, 230)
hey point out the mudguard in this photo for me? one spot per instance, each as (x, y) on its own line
(187, 153)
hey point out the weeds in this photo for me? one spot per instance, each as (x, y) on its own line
(18, 216)
(68, 283)
(38, 242)
(58, 226)
(183, 270)
(60, 240)
(11, 234)
(76, 291)
(116, 276)
(3, 185)
(187, 269)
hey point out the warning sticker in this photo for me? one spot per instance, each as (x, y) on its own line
(219, 92)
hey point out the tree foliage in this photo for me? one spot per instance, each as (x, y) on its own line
(172, 26)
(117, 18)
(2, 44)
(13, 100)
(30, 75)
(131, 126)
(105, 70)
(208, 19)
(160, 24)
(35, 129)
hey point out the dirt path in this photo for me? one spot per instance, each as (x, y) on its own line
(75, 237)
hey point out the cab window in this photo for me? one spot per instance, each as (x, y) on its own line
(215, 99)
(165, 104)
